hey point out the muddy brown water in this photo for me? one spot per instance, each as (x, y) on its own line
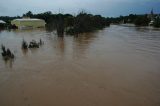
(116, 66)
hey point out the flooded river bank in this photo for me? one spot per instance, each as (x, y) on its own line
(116, 66)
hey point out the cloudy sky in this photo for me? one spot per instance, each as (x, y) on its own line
(103, 7)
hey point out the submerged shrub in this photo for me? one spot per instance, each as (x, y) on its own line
(142, 21)
(157, 22)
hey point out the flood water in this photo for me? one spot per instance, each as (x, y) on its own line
(116, 66)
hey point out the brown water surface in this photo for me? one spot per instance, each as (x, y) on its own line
(116, 66)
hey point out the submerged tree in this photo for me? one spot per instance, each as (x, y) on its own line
(60, 25)
(85, 22)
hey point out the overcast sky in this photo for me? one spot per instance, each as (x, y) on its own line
(103, 7)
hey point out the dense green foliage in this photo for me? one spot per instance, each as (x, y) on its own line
(8, 19)
(84, 22)
(139, 20)
(157, 22)
(142, 21)
(123, 19)
(2, 26)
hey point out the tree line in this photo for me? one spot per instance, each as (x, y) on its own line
(138, 20)
(83, 21)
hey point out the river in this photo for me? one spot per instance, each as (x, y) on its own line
(116, 66)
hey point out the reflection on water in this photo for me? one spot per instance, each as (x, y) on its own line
(8, 62)
(25, 51)
(117, 66)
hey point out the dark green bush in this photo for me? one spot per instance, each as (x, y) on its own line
(157, 22)
(142, 21)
